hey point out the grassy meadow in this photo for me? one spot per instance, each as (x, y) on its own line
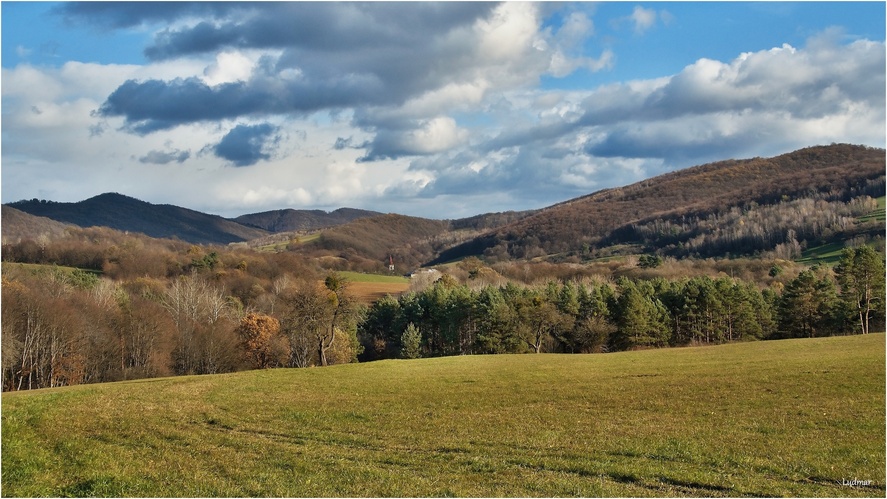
(776, 418)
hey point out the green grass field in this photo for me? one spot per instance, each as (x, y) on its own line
(826, 254)
(778, 418)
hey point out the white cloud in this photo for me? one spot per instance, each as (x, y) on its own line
(450, 112)
(263, 196)
(575, 30)
(450, 97)
(229, 66)
(429, 136)
(802, 82)
(643, 19)
(436, 135)
(509, 33)
(711, 110)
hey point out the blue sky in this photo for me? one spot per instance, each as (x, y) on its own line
(437, 110)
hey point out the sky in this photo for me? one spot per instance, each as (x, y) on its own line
(438, 110)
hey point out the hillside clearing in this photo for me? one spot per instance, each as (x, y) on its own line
(830, 253)
(369, 288)
(793, 417)
(369, 292)
(354, 277)
(879, 214)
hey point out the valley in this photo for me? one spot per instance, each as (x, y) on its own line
(737, 250)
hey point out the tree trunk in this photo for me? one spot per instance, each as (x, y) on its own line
(324, 346)
(321, 352)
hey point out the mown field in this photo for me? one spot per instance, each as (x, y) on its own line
(777, 418)
(370, 288)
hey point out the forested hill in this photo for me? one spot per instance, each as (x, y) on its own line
(129, 214)
(18, 226)
(728, 207)
(406, 239)
(680, 202)
(295, 220)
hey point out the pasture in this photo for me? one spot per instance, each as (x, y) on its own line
(776, 418)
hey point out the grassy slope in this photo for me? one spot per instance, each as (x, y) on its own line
(830, 254)
(879, 213)
(791, 417)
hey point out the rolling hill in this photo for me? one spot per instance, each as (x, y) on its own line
(18, 226)
(409, 240)
(837, 171)
(679, 213)
(405, 238)
(290, 220)
(129, 214)
(343, 228)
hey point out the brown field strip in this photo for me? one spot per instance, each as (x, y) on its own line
(370, 292)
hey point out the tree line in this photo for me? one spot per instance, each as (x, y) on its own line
(602, 316)
(63, 327)
(161, 308)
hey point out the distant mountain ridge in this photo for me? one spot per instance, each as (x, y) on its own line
(289, 220)
(607, 217)
(125, 213)
(156, 220)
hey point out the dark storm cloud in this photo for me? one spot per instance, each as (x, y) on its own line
(529, 135)
(343, 143)
(682, 143)
(246, 145)
(389, 144)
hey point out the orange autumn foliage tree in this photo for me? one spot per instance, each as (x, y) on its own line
(259, 337)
